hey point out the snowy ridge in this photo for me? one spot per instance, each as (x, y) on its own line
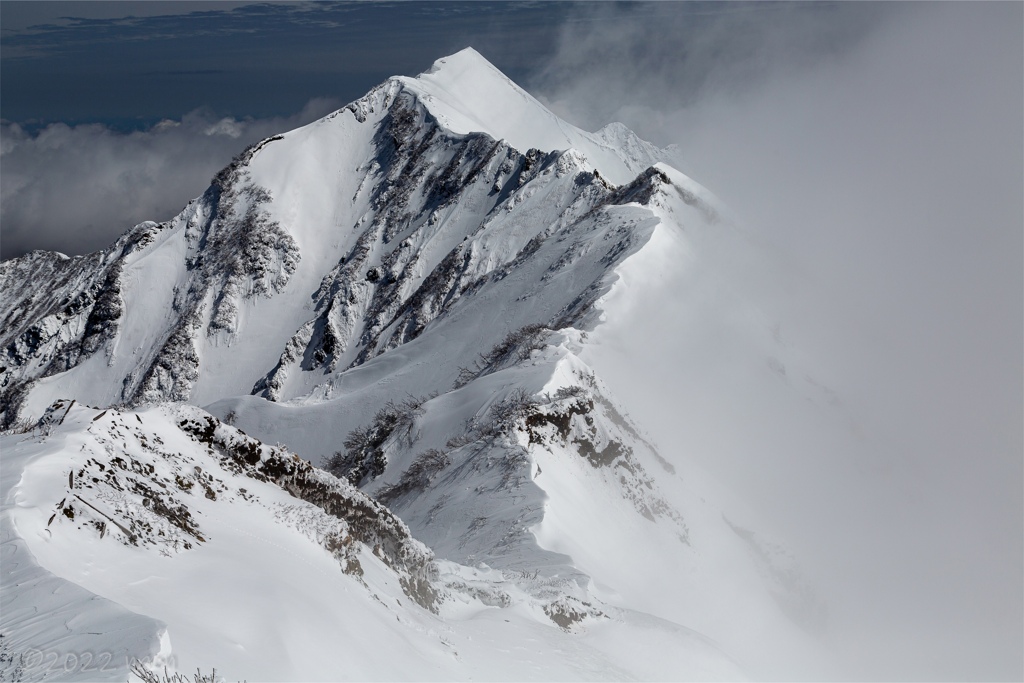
(158, 495)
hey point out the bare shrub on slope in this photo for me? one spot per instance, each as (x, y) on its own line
(364, 457)
(516, 346)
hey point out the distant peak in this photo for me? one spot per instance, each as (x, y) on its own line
(616, 127)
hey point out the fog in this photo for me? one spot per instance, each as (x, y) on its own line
(75, 189)
(872, 155)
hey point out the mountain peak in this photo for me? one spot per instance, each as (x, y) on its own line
(466, 58)
(467, 94)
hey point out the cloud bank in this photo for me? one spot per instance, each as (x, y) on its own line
(76, 189)
(873, 154)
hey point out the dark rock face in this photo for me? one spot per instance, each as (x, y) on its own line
(56, 312)
(364, 520)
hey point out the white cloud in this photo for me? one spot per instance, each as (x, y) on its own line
(75, 189)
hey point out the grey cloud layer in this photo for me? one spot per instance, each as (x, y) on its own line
(259, 60)
(75, 189)
(874, 153)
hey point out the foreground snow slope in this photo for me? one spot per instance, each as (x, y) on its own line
(201, 548)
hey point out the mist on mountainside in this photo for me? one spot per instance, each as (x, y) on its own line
(876, 178)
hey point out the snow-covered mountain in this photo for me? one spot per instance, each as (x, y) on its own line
(404, 294)
(318, 250)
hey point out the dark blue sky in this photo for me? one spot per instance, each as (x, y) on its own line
(107, 62)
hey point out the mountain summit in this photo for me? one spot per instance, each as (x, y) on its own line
(467, 94)
(402, 294)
